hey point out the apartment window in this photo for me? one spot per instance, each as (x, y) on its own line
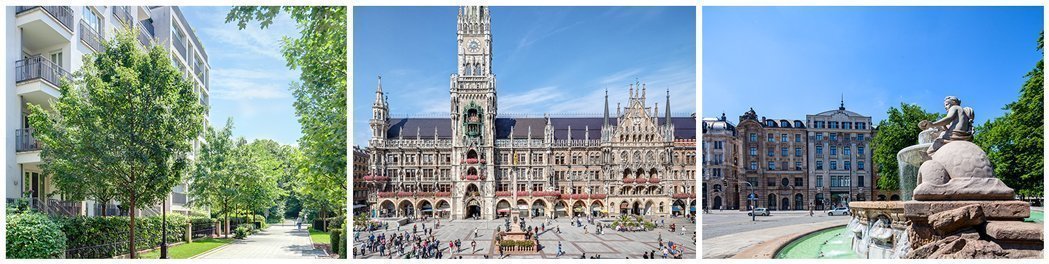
(754, 165)
(797, 165)
(859, 137)
(847, 151)
(846, 125)
(753, 181)
(859, 150)
(753, 151)
(782, 137)
(770, 123)
(560, 159)
(798, 124)
(180, 38)
(819, 181)
(839, 181)
(861, 125)
(771, 182)
(719, 144)
(797, 152)
(833, 151)
(848, 165)
(860, 181)
(819, 136)
(797, 137)
(819, 164)
(772, 165)
(799, 182)
(834, 124)
(56, 57)
(859, 165)
(784, 152)
(833, 165)
(753, 137)
(786, 166)
(770, 151)
(833, 136)
(93, 19)
(771, 139)
(819, 151)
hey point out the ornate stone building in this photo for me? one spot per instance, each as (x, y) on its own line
(839, 147)
(774, 162)
(720, 164)
(360, 169)
(478, 164)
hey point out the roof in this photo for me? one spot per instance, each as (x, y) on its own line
(684, 127)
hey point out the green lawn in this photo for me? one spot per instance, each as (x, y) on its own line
(319, 237)
(188, 250)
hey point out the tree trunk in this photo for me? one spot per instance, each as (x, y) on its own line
(225, 210)
(131, 228)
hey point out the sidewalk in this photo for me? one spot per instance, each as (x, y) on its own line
(276, 242)
(728, 246)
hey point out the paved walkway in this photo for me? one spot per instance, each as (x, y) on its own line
(611, 245)
(276, 242)
(728, 246)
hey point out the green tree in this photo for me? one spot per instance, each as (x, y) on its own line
(214, 177)
(898, 131)
(320, 96)
(260, 170)
(1014, 141)
(126, 121)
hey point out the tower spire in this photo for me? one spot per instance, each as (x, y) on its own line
(842, 107)
(606, 108)
(667, 106)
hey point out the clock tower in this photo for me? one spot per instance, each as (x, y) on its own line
(473, 111)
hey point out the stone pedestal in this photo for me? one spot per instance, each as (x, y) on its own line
(972, 229)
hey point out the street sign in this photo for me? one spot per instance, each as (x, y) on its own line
(752, 197)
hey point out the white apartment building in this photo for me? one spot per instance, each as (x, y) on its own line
(46, 43)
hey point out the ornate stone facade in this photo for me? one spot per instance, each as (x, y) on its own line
(774, 162)
(720, 164)
(477, 164)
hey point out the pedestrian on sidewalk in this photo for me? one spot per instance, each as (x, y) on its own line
(473, 246)
(298, 223)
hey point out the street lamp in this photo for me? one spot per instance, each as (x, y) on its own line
(753, 217)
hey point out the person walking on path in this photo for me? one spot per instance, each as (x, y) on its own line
(473, 246)
(559, 252)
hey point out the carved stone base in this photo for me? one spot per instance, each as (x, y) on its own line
(964, 189)
(993, 210)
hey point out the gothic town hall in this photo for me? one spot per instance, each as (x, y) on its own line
(478, 164)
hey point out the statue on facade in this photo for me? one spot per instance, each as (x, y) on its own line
(957, 168)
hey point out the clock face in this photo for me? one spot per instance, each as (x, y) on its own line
(474, 46)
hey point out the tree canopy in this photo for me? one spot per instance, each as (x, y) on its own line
(320, 94)
(898, 131)
(123, 127)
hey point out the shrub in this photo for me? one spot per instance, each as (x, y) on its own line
(334, 239)
(343, 243)
(106, 237)
(242, 231)
(33, 235)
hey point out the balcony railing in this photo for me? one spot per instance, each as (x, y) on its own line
(63, 14)
(181, 48)
(90, 36)
(122, 15)
(24, 140)
(37, 67)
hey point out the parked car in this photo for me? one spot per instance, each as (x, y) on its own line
(838, 211)
(759, 211)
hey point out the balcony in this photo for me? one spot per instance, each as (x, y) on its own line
(181, 48)
(62, 14)
(124, 16)
(38, 68)
(24, 140)
(90, 37)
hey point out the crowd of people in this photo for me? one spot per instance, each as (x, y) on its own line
(419, 241)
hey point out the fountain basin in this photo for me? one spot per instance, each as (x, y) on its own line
(879, 230)
(830, 243)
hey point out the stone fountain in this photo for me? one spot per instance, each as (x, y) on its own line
(954, 206)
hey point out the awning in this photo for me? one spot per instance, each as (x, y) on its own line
(503, 210)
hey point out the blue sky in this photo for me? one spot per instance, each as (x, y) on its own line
(787, 62)
(249, 79)
(546, 59)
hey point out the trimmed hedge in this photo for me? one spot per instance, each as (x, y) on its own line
(334, 239)
(106, 237)
(34, 236)
(201, 223)
(343, 243)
